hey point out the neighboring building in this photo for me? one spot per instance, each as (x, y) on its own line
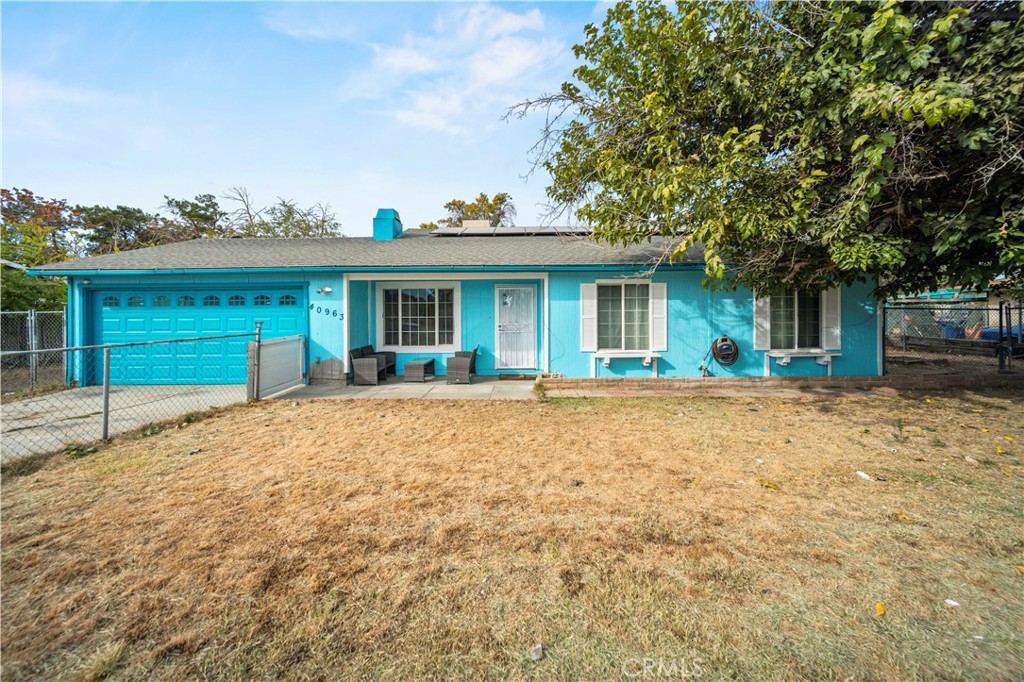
(533, 300)
(969, 307)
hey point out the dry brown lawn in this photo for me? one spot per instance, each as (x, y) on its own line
(442, 540)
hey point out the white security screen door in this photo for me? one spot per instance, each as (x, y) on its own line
(516, 335)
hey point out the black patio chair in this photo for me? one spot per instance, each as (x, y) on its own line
(461, 368)
(367, 370)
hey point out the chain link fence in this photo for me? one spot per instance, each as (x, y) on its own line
(954, 338)
(79, 396)
(30, 330)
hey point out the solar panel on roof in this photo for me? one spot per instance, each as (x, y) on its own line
(510, 231)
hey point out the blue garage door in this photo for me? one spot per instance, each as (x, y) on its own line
(124, 317)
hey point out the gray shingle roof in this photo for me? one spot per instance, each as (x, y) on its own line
(414, 249)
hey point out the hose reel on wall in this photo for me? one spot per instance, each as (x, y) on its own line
(724, 350)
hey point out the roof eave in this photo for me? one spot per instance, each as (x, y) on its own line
(362, 268)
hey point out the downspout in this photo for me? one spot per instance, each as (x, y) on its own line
(69, 337)
(345, 306)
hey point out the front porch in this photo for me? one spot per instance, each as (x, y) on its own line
(431, 316)
(482, 388)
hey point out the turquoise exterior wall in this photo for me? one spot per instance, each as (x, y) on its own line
(326, 317)
(359, 329)
(697, 317)
(477, 322)
(323, 310)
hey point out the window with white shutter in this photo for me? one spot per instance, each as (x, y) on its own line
(762, 323)
(795, 320)
(588, 317)
(659, 316)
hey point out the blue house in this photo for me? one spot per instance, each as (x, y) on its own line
(533, 300)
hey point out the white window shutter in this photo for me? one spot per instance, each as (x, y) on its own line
(831, 320)
(762, 323)
(659, 316)
(588, 317)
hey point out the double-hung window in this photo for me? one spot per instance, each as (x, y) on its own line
(623, 317)
(418, 316)
(795, 321)
(798, 322)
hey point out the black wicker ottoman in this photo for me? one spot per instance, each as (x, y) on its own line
(419, 369)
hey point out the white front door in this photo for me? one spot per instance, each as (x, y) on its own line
(516, 323)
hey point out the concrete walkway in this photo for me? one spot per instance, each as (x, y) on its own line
(482, 388)
(700, 392)
(51, 422)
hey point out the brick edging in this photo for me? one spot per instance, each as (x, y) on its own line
(1015, 380)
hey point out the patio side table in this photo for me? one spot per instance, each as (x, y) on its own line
(419, 369)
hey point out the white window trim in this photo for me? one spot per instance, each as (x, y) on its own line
(621, 351)
(379, 288)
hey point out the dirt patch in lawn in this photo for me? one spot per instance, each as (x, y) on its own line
(417, 540)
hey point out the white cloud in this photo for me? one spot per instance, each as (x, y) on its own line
(310, 23)
(465, 71)
(52, 112)
(440, 112)
(405, 59)
(485, 22)
(24, 91)
(507, 61)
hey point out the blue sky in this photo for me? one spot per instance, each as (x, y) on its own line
(357, 105)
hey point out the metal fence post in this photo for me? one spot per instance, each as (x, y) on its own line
(1009, 337)
(256, 372)
(885, 338)
(33, 345)
(64, 341)
(106, 394)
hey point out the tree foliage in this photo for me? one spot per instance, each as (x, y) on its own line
(803, 144)
(36, 231)
(498, 211)
(122, 229)
(282, 219)
(195, 218)
(18, 291)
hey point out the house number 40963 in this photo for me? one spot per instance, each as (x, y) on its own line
(328, 312)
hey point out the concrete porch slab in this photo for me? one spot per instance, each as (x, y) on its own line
(482, 388)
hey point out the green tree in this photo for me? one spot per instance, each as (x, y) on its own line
(18, 291)
(498, 211)
(35, 231)
(122, 229)
(194, 219)
(803, 144)
(282, 219)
